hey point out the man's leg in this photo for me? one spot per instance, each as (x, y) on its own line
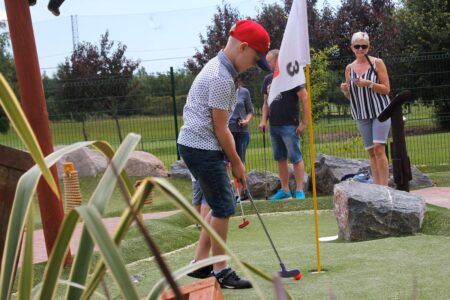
(299, 173)
(283, 172)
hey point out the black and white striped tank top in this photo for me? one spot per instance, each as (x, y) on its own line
(365, 103)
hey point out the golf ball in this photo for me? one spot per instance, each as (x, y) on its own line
(298, 276)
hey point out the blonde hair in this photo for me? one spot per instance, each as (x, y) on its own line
(360, 36)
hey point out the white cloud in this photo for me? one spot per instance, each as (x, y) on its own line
(3, 15)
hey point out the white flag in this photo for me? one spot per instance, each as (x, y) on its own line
(294, 52)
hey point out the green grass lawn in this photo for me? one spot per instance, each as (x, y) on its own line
(391, 268)
(354, 269)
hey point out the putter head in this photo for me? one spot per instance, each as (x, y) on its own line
(244, 223)
(285, 273)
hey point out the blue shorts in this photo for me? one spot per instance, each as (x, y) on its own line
(197, 194)
(285, 143)
(241, 139)
(208, 169)
(373, 131)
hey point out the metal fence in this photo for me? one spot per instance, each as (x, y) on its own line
(160, 116)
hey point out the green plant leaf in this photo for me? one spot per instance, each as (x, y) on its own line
(56, 260)
(26, 272)
(19, 121)
(137, 202)
(25, 190)
(99, 200)
(109, 251)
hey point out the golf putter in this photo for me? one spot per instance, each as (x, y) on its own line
(245, 221)
(285, 273)
(237, 198)
(265, 163)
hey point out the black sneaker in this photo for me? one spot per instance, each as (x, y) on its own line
(228, 279)
(201, 273)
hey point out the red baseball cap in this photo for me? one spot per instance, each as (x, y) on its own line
(256, 36)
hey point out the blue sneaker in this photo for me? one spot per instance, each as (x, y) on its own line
(299, 195)
(280, 194)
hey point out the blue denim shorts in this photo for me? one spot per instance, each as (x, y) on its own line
(209, 170)
(197, 194)
(373, 131)
(285, 143)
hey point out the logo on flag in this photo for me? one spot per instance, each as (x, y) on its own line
(294, 52)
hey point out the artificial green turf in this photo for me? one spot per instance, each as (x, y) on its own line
(391, 268)
(436, 221)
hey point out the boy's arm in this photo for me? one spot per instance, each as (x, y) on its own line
(226, 141)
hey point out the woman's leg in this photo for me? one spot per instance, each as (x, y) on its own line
(380, 132)
(374, 166)
(382, 164)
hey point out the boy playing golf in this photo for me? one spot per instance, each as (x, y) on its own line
(205, 138)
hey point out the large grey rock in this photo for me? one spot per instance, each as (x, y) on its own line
(261, 182)
(419, 179)
(179, 170)
(90, 163)
(142, 163)
(367, 211)
(330, 169)
(87, 162)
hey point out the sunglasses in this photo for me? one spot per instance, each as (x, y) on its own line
(364, 47)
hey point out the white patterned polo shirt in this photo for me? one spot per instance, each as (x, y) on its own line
(214, 87)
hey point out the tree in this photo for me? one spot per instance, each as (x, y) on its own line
(8, 70)
(216, 37)
(274, 18)
(425, 29)
(95, 79)
(425, 25)
(375, 17)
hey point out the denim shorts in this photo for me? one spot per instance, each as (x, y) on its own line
(197, 194)
(373, 131)
(285, 143)
(241, 139)
(209, 170)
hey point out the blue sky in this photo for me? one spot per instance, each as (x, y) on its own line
(159, 33)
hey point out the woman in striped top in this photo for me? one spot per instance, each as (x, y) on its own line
(367, 87)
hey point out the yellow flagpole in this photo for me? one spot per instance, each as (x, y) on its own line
(313, 171)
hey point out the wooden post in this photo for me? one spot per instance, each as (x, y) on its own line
(401, 166)
(13, 163)
(33, 103)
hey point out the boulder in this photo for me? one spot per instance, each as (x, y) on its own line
(261, 182)
(179, 170)
(368, 211)
(331, 169)
(142, 163)
(90, 163)
(419, 179)
(87, 162)
(256, 180)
